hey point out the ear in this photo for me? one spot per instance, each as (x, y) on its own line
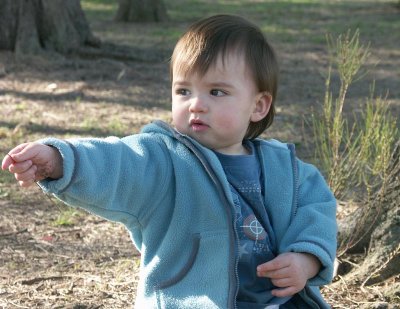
(262, 106)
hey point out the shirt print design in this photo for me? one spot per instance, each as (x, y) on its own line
(253, 229)
(252, 235)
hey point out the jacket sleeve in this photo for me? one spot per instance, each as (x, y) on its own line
(121, 180)
(313, 228)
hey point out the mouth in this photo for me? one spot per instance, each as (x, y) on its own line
(197, 125)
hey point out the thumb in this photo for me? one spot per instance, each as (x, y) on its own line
(278, 262)
(12, 156)
(7, 161)
(21, 153)
(24, 152)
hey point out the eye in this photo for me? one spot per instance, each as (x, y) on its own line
(217, 92)
(182, 91)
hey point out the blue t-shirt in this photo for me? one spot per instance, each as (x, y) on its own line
(256, 236)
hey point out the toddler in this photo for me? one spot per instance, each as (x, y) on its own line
(222, 218)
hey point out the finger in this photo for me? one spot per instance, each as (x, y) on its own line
(26, 184)
(276, 274)
(289, 291)
(282, 283)
(7, 161)
(20, 167)
(17, 149)
(25, 152)
(12, 157)
(27, 176)
(275, 264)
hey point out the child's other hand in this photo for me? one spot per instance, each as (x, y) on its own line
(32, 162)
(289, 272)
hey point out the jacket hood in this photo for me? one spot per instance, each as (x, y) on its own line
(159, 126)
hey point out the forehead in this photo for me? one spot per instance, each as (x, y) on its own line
(229, 62)
(230, 71)
(232, 64)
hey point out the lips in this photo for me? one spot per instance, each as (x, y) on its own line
(197, 125)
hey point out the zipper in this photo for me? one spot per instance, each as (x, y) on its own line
(234, 240)
(295, 180)
(273, 241)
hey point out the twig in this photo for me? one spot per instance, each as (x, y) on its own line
(16, 305)
(39, 279)
(328, 288)
(68, 230)
(344, 281)
(351, 263)
(372, 302)
(352, 300)
(376, 271)
(63, 256)
(43, 249)
(14, 233)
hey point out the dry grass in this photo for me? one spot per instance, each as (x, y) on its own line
(43, 265)
(91, 263)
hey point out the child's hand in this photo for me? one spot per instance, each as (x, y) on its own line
(289, 272)
(32, 162)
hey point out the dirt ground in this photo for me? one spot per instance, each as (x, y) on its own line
(52, 257)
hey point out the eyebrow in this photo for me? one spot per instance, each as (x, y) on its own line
(211, 85)
(220, 85)
(181, 83)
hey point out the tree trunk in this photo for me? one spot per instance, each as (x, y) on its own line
(377, 230)
(141, 11)
(31, 26)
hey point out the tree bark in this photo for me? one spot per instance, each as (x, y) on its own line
(33, 26)
(377, 230)
(141, 11)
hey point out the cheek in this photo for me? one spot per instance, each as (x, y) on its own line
(226, 120)
(230, 116)
(178, 115)
(233, 122)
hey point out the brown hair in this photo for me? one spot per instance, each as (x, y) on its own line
(217, 35)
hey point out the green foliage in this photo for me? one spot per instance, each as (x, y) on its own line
(66, 217)
(356, 155)
(103, 9)
(116, 127)
(376, 141)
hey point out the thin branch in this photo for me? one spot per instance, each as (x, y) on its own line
(14, 233)
(40, 279)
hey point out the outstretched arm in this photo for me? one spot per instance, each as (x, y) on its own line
(31, 162)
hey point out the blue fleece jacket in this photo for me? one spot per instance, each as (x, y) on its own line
(173, 196)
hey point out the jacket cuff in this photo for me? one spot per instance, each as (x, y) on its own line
(49, 185)
(325, 274)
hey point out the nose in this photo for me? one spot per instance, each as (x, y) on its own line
(198, 105)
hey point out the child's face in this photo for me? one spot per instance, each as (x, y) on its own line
(216, 109)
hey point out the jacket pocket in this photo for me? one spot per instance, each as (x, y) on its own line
(186, 267)
(202, 280)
